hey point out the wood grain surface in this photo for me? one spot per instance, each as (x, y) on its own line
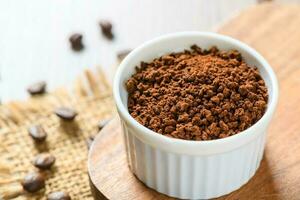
(274, 30)
(108, 168)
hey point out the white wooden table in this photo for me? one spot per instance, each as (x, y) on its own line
(34, 34)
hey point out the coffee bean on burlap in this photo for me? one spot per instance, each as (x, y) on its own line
(37, 133)
(44, 161)
(66, 113)
(59, 195)
(33, 182)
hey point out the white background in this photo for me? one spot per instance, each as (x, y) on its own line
(34, 34)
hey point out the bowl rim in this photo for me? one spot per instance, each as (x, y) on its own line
(123, 111)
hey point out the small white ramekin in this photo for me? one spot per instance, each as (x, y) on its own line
(192, 169)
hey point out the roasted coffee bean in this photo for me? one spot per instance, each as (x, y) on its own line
(37, 133)
(37, 88)
(89, 141)
(66, 113)
(102, 123)
(44, 161)
(33, 182)
(106, 28)
(58, 196)
(76, 42)
(122, 54)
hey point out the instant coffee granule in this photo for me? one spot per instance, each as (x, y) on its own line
(197, 94)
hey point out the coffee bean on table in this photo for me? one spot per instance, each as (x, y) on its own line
(106, 28)
(66, 113)
(59, 195)
(102, 123)
(76, 42)
(33, 182)
(37, 133)
(122, 54)
(37, 88)
(44, 161)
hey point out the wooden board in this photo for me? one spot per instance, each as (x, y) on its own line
(274, 30)
(109, 170)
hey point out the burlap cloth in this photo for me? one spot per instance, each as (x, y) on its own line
(91, 97)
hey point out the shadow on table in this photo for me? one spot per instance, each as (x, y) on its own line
(71, 128)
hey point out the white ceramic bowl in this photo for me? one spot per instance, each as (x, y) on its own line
(192, 169)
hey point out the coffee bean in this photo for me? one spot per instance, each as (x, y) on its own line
(106, 28)
(33, 182)
(37, 133)
(122, 54)
(76, 42)
(44, 161)
(37, 88)
(66, 113)
(89, 141)
(102, 123)
(58, 196)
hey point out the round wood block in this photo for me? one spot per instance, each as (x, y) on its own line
(274, 31)
(110, 176)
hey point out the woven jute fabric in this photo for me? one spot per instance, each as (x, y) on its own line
(91, 97)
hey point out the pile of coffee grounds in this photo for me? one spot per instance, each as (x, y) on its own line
(197, 94)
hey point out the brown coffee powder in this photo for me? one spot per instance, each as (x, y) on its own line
(197, 94)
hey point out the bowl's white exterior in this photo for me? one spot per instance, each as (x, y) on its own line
(192, 169)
